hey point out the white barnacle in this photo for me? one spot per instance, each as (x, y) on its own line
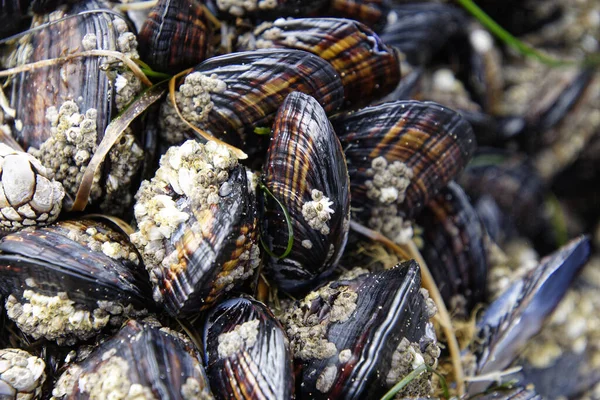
(242, 337)
(326, 379)
(22, 372)
(318, 211)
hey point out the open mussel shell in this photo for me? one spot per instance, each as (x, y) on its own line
(356, 337)
(230, 96)
(196, 227)
(62, 110)
(69, 280)
(453, 247)
(399, 156)
(140, 361)
(247, 353)
(518, 314)
(176, 35)
(368, 68)
(420, 30)
(305, 171)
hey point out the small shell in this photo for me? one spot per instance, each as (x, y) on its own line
(454, 248)
(229, 96)
(306, 171)
(140, 361)
(518, 314)
(176, 35)
(70, 280)
(399, 156)
(196, 227)
(247, 352)
(356, 337)
(368, 68)
(27, 196)
(372, 13)
(21, 375)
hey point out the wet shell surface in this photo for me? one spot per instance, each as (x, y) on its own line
(196, 226)
(21, 375)
(368, 68)
(231, 95)
(140, 362)
(269, 9)
(306, 172)
(356, 337)
(399, 155)
(453, 247)
(176, 35)
(70, 280)
(247, 353)
(27, 196)
(62, 110)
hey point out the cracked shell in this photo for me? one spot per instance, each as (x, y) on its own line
(368, 68)
(140, 361)
(247, 352)
(245, 91)
(306, 172)
(354, 338)
(70, 280)
(399, 155)
(196, 227)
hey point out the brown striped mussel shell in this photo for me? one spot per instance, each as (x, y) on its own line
(247, 352)
(372, 13)
(453, 247)
(268, 9)
(368, 68)
(70, 280)
(306, 172)
(176, 35)
(62, 110)
(196, 227)
(399, 155)
(141, 361)
(354, 338)
(230, 96)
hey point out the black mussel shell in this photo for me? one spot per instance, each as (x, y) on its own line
(519, 393)
(244, 90)
(62, 110)
(453, 247)
(81, 274)
(400, 155)
(306, 171)
(368, 68)
(420, 30)
(176, 35)
(247, 352)
(518, 314)
(14, 17)
(140, 360)
(197, 227)
(354, 338)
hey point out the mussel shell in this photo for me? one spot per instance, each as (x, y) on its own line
(257, 83)
(176, 35)
(388, 308)
(159, 363)
(304, 156)
(519, 393)
(268, 10)
(518, 314)
(89, 261)
(454, 248)
(420, 30)
(13, 17)
(432, 140)
(247, 352)
(372, 13)
(368, 68)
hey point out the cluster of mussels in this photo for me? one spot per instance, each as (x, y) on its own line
(275, 199)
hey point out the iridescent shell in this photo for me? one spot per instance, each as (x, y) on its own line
(400, 155)
(368, 68)
(82, 275)
(242, 91)
(306, 171)
(141, 361)
(247, 353)
(176, 35)
(354, 338)
(196, 227)
(453, 247)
